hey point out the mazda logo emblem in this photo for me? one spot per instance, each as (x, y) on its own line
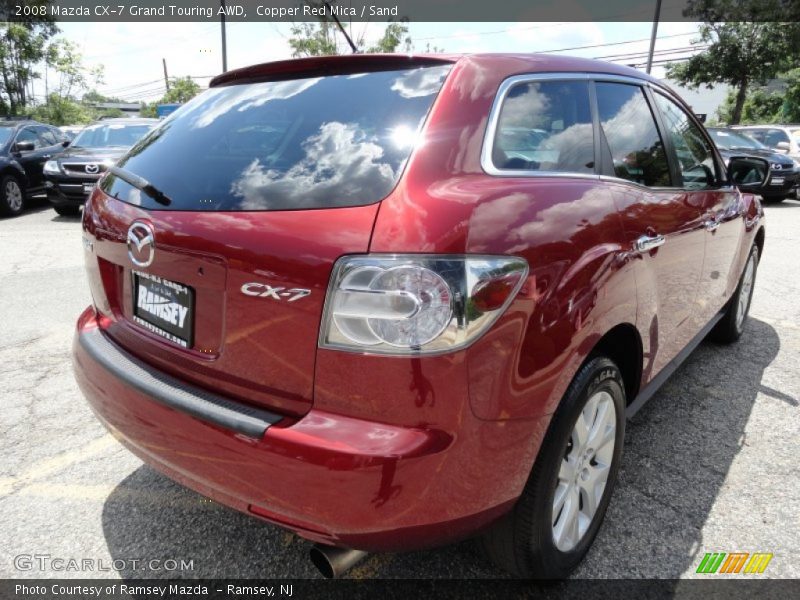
(92, 169)
(141, 244)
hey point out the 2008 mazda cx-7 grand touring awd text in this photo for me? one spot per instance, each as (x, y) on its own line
(390, 302)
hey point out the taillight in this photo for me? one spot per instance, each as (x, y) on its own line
(416, 304)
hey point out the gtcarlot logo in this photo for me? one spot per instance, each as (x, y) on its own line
(49, 563)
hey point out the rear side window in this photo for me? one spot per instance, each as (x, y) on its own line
(321, 142)
(636, 148)
(545, 126)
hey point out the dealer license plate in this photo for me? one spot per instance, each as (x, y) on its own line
(164, 307)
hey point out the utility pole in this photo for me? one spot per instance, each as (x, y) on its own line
(166, 78)
(656, 17)
(224, 42)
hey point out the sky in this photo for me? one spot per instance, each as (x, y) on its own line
(132, 53)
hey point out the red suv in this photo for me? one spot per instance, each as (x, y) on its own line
(390, 302)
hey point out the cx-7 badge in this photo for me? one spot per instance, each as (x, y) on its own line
(262, 290)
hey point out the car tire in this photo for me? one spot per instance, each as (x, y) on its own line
(730, 327)
(774, 199)
(549, 530)
(12, 196)
(68, 211)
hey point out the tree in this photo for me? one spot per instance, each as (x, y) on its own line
(745, 47)
(759, 107)
(181, 90)
(57, 110)
(323, 38)
(63, 57)
(23, 45)
(762, 106)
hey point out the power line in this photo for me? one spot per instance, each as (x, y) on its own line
(610, 44)
(665, 51)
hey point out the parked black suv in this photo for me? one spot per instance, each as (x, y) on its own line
(72, 175)
(784, 172)
(25, 146)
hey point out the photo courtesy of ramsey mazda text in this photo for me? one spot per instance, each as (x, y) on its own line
(390, 302)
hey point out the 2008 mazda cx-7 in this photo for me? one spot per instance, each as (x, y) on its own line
(390, 302)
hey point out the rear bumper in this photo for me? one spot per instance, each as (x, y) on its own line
(331, 478)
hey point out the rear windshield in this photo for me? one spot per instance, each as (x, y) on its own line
(319, 142)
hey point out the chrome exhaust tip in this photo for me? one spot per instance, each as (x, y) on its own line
(333, 562)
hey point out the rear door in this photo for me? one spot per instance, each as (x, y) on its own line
(701, 176)
(662, 223)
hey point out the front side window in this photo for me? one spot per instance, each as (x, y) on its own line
(316, 142)
(47, 137)
(545, 126)
(694, 155)
(634, 143)
(29, 135)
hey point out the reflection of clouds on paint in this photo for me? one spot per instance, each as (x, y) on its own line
(420, 82)
(241, 98)
(341, 165)
(559, 222)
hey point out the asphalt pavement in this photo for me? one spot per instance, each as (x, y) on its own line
(710, 464)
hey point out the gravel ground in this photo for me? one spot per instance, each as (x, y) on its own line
(710, 464)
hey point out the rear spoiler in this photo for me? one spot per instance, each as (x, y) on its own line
(319, 66)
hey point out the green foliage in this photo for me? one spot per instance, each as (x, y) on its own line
(62, 111)
(761, 106)
(314, 39)
(744, 47)
(148, 110)
(324, 38)
(395, 36)
(23, 45)
(181, 90)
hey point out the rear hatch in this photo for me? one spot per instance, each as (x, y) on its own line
(214, 242)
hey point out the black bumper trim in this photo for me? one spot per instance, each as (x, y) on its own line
(172, 392)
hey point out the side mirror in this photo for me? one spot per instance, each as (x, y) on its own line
(783, 147)
(748, 173)
(65, 143)
(24, 146)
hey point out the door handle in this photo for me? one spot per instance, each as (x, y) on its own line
(46, 156)
(649, 242)
(711, 225)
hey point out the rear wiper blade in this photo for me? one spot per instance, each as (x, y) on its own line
(141, 183)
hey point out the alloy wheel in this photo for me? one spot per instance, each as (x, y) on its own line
(746, 291)
(584, 471)
(13, 195)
